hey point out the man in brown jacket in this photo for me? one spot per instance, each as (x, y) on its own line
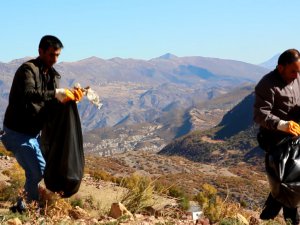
(34, 87)
(277, 111)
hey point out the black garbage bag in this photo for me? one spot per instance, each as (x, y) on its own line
(283, 171)
(62, 146)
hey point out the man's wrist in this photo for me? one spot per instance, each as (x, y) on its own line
(283, 125)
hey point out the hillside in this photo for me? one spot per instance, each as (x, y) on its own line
(230, 144)
(232, 140)
(239, 119)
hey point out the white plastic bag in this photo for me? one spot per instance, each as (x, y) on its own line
(91, 95)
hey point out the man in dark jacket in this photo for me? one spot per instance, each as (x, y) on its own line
(34, 88)
(277, 111)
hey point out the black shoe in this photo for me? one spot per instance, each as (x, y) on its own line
(271, 209)
(16, 209)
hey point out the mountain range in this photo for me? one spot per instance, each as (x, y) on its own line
(136, 91)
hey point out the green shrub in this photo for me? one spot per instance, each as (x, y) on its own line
(17, 180)
(101, 175)
(184, 203)
(230, 221)
(76, 201)
(139, 193)
(210, 203)
(176, 192)
(183, 199)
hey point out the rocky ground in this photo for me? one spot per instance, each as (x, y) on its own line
(103, 195)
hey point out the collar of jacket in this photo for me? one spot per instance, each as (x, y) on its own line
(39, 63)
(279, 77)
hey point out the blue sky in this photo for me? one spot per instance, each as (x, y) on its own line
(245, 30)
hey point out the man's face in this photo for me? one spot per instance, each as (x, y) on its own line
(290, 72)
(49, 56)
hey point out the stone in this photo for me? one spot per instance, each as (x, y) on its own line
(118, 209)
(78, 213)
(14, 221)
(242, 219)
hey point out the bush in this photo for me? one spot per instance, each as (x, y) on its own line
(209, 201)
(184, 203)
(230, 221)
(183, 199)
(76, 201)
(176, 192)
(17, 181)
(101, 175)
(139, 193)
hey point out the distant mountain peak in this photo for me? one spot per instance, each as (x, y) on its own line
(91, 59)
(167, 56)
(115, 59)
(21, 60)
(271, 63)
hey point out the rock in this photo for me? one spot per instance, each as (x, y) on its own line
(94, 221)
(78, 213)
(254, 221)
(202, 221)
(150, 210)
(118, 209)
(14, 221)
(242, 219)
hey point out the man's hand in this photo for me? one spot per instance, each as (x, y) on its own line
(289, 127)
(64, 95)
(78, 94)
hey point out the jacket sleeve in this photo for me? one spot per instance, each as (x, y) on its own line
(263, 106)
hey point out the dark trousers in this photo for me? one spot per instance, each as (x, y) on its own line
(272, 208)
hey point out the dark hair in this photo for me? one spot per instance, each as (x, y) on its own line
(50, 41)
(289, 56)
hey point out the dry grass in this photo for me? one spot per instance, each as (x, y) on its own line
(139, 193)
(3, 151)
